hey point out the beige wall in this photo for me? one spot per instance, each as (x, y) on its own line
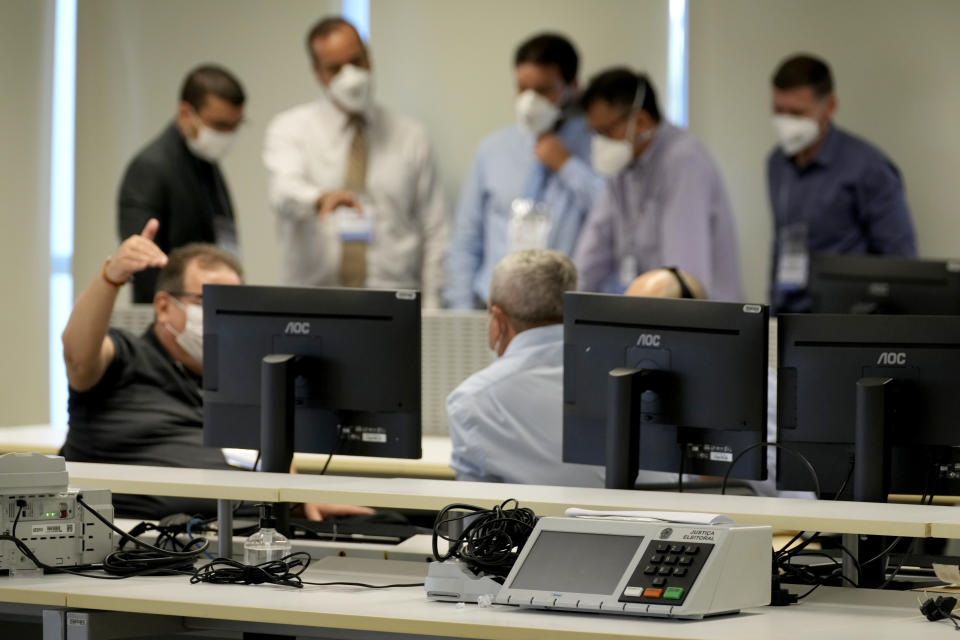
(24, 142)
(449, 63)
(132, 57)
(894, 65)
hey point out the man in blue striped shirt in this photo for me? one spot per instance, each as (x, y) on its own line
(531, 184)
(830, 191)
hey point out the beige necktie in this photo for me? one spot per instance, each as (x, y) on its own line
(353, 255)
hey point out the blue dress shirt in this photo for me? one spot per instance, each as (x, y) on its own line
(506, 421)
(850, 197)
(505, 168)
(668, 208)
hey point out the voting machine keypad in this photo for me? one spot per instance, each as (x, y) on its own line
(666, 573)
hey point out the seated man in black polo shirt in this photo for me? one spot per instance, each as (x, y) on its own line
(137, 399)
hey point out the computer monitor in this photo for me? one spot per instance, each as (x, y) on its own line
(664, 385)
(885, 285)
(874, 394)
(312, 370)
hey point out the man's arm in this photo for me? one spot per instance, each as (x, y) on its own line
(466, 250)
(596, 252)
(290, 191)
(574, 174)
(87, 349)
(434, 225)
(889, 227)
(467, 457)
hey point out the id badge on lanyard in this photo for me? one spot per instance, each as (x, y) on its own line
(529, 226)
(793, 266)
(794, 263)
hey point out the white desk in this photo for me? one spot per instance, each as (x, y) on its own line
(407, 493)
(829, 613)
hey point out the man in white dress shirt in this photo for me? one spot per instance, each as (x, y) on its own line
(506, 420)
(354, 186)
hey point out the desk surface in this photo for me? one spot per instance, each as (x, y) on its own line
(408, 493)
(829, 613)
(435, 462)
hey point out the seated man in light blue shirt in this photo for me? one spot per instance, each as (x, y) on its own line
(506, 421)
(531, 184)
(665, 202)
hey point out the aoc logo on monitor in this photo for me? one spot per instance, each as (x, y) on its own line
(892, 358)
(649, 340)
(297, 329)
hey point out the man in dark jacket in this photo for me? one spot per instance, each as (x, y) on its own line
(176, 180)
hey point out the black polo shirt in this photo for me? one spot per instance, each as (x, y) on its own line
(146, 410)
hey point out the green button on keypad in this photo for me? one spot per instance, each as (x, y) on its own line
(673, 593)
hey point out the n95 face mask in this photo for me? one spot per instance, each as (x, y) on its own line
(795, 133)
(610, 156)
(351, 88)
(535, 113)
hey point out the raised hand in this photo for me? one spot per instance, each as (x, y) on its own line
(136, 253)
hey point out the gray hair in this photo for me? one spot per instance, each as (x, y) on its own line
(529, 285)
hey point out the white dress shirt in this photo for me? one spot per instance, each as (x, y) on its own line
(306, 150)
(506, 421)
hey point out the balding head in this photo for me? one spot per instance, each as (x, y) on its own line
(526, 291)
(662, 283)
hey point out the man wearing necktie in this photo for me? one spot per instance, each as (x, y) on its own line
(531, 184)
(354, 186)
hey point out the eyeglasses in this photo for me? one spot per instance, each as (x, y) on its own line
(186, 294)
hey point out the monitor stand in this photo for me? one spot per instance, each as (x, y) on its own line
(623, 417)
(871, 470)
(277, 374)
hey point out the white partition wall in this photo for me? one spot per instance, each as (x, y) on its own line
(449, 63)
(26, 31)
(132, 58)
(894, 66)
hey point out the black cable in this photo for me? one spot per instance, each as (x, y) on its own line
(365, 585)
(285, 572)
(190, 553)
(683, 457)
(336, 447)
(491, 542)
(813, 472)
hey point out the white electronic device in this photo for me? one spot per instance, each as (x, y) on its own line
(643, 568)
(452, 581)
(52, 524)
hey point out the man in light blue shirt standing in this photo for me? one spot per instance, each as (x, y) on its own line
(665, 203)
(531, 184)
(506, 421)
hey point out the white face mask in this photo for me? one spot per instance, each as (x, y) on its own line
(352, 89)
(609, 156)
(210, 144)
(191, 338)
(535, 113)
(795, 133)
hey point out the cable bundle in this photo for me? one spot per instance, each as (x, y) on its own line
(492, 539)
(285, 571)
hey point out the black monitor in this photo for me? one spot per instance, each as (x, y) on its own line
(876, 394)
(885, 285)
(312, 370)
(664, 385)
